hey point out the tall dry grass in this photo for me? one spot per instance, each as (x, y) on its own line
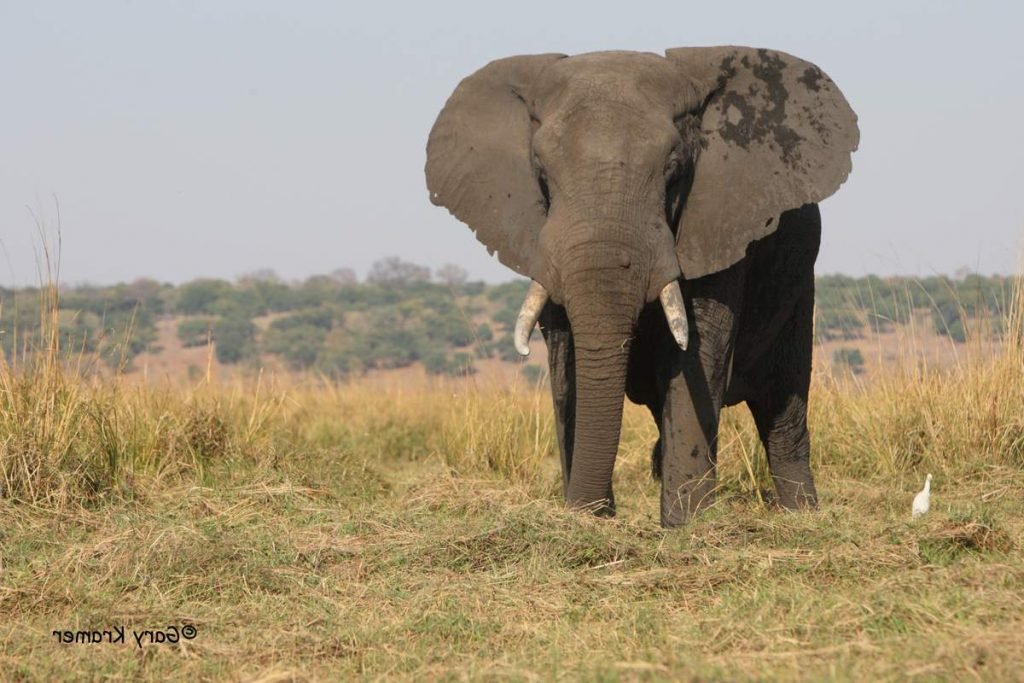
(70, 437)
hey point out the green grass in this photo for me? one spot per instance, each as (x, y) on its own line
(335, 532)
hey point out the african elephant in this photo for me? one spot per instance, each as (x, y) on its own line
(665, 210)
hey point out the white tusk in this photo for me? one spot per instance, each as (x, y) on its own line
(528, 315)
(675, 312)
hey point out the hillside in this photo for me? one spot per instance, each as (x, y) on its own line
(403, 325)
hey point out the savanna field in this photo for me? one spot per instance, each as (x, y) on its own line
(310, 528)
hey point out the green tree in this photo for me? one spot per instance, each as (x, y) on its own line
(450, 328)
(236, 339)
(323, 317)
(299, 345)
(435, 362)
(199, 296)
(195, 331)
(839, 323)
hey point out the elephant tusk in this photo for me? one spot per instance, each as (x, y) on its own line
(528, 315)
(675, 312)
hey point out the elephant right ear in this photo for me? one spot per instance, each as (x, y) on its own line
(479, 160)
(776, 133)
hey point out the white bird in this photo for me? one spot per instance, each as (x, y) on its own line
(923, 499)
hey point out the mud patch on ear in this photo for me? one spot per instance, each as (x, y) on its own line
(758, 114)
(812, 78)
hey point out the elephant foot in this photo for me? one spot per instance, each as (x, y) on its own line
(795, 493)
(681, 503)
(603, 507)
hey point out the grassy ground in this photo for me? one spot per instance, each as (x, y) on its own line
(323, 533)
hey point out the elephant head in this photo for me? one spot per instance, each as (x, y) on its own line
(606, 177)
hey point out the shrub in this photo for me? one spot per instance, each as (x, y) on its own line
(461, 364)
(236, 339)
(384, 347)
(195, 331)
(323, 317)
(299, 345)
(199, 296)
(947, 319)
(839, 324)
(435, 362)
(339, 356)
(450, 328)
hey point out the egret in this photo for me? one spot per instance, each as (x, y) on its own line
(922, 499)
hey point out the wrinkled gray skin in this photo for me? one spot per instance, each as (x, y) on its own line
(605, 177)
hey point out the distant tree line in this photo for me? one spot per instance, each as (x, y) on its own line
(403, 314)
(847, 307)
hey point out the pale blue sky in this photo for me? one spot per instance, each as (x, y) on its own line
(189, 139)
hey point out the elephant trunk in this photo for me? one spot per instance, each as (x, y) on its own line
(600, 391)
(603, 326)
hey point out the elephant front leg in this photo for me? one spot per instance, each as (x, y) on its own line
(693, 392)
(554, 325)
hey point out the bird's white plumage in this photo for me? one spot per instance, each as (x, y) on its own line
(922, 500)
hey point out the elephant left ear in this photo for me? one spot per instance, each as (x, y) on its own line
(777, 134)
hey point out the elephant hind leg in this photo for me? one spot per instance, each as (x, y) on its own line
(780, 411)
(782, 426)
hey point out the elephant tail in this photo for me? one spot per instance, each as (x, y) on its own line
(656, 460)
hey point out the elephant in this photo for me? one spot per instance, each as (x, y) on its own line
(665, 210)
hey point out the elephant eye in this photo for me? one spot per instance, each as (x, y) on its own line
(542, 182)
